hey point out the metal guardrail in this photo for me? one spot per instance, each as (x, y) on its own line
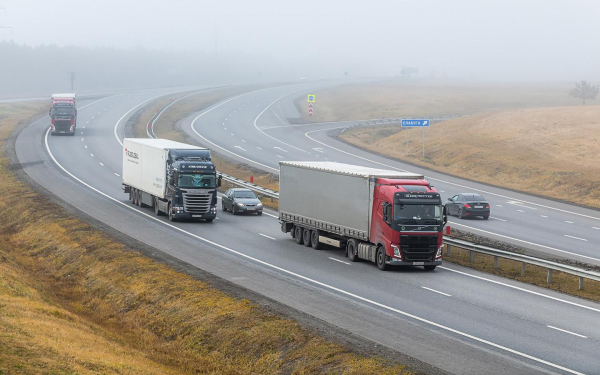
(390, 121)
(582, 273)
(248, 185)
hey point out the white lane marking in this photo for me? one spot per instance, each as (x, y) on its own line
(441, 191)
(577, 238)
(223, 123)
(272, 238)
(520, 204)
(498, 205)
(495, 218)
(240, 148)
(318, 149)
(341, 261)
(279, 148)
(595, 228)
(222, 148)
(268, 214)
(520, 210)
(82, 139)
(569, 332)
(437, 291)
(225, 128)
(264, 110)
(92, 117)
(313, 281)
(142, 103)
(543, 216)
(116, 174)
(279, 156)
(570, 222)
(217, 218)
(283, 122)
(102, 164)
(523, 289)
(258, 148)
(80, 132)
(527, 242)
(99, 112)
(92, 154)
(243, 141)
(85, 146)
(443, 181)
(231, 133)
(87, 122)
(84, 127)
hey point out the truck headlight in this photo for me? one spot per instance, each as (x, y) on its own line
(439, 252)
(396, 251)
(240, 204)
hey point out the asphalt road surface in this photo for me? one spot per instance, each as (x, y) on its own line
(457, 319)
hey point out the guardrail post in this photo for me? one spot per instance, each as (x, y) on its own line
(447, 250)
(495, 262)
(549, 279)
(472, 255)
(523, 270)
(580, 283)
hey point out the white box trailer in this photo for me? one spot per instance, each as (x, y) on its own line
(154, 171)
(334, 204)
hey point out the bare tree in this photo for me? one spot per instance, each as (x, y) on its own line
(584, 91)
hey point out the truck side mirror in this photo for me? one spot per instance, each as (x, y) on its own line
(445, 216)
(219, 181)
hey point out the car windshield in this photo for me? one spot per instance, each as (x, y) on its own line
(196, 180)
(417, 213)
(244, 194)
(62, 111)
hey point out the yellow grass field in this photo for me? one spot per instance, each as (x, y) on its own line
(74, 300)
(548, 151)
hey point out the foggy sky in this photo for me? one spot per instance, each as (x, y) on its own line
(477, 40)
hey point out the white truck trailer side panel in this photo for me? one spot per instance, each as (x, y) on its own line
(332, 193)
(145, 166)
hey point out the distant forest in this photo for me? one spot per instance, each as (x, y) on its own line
(46, 69)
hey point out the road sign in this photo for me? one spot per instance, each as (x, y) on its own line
(311, 98)
(309, 105)
(412, 123)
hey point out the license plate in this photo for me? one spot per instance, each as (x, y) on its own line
(63, 132)
(478, 206)
(196, 215)
(251, 208)
(418, 263)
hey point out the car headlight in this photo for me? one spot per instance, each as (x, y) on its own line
(396, 251)
(240, 204)
(259, 205)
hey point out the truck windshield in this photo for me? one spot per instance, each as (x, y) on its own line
(196, 180)
(417, 213)
(62, 111)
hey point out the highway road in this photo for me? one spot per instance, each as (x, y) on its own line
(456, 319)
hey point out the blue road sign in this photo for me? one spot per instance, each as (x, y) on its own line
(415, 123)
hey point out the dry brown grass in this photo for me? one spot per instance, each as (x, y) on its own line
(548, 151)
(72, 300)
(535, 275)
(392, 99)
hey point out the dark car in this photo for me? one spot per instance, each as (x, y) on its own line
(241, 200)
(467, 205)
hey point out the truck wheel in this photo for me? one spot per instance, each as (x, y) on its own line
(135, 197)
(293, 232)
(171, 216)
(157, 211)
(306, 237)
(314, 240)
(130, 194)
(380, 258)
(298, 235)
(351, 250)
(429, 268)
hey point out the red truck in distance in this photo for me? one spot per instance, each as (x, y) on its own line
(387, 217)
(63, 114)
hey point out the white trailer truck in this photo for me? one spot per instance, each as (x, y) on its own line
(386, 217)
(174, 178)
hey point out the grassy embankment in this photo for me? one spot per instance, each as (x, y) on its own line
(167, 127)
(73, 300)
(547, 150)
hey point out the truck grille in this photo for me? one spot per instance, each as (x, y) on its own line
(62, 125)
(418, 248)
(197, 201)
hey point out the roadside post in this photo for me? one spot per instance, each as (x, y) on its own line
(310, 99)
(415, 123)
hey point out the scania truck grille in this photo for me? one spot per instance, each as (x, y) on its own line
(418, 248)
(63, 125)
(197, 202)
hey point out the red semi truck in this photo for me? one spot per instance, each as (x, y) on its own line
(63, 114)
(386, 217)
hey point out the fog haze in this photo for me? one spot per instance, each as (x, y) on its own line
(470, 40)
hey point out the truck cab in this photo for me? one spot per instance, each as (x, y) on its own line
(63, 114)
(407, 221)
